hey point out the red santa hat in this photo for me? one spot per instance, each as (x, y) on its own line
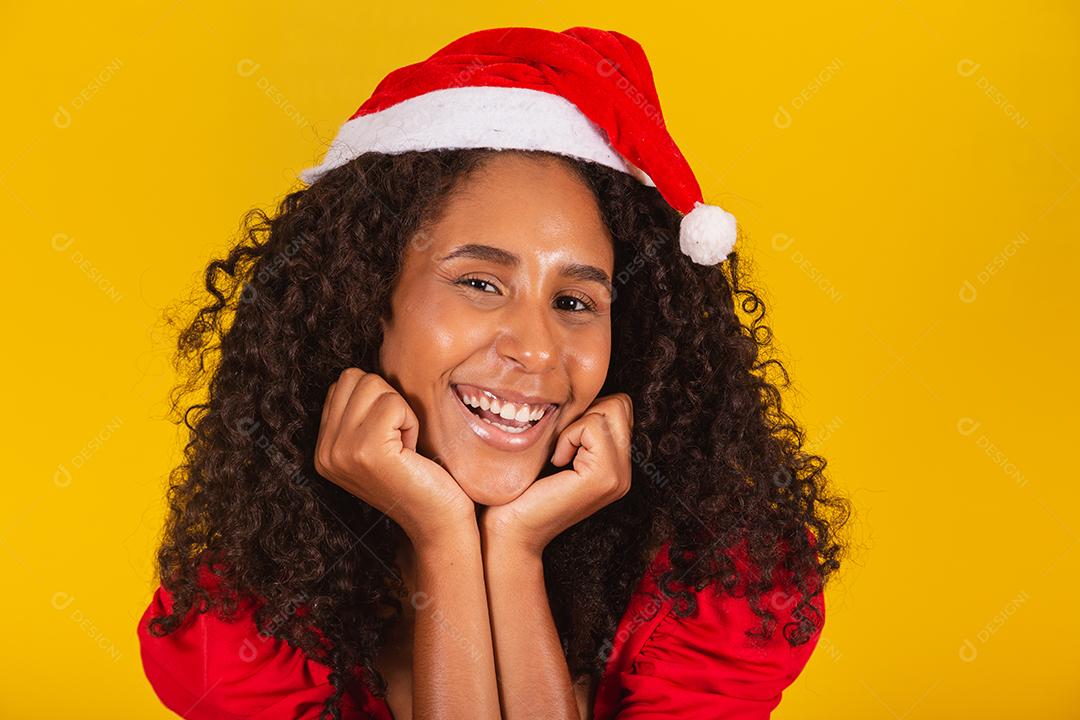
(582, 92)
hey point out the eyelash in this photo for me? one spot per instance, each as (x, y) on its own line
(590, 306)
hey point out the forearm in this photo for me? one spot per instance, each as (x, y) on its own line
(453, 660)
(534, 680)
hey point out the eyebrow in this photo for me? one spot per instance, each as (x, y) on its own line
(498, 256)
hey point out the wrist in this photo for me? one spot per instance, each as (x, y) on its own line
(447, 537)
(511, 565)
(504, 544)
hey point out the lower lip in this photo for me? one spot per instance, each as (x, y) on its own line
(502, 439)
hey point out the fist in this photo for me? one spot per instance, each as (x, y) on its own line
(367, 445)
(599, 444)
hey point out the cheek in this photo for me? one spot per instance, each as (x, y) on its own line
(588, 359)
(429, 331)
(419, 352)
(445, 336)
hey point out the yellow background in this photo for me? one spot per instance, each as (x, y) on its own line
(907, 173)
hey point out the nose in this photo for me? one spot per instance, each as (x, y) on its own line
(528, 338)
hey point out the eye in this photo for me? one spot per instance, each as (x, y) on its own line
(467, 280)
(587, 304)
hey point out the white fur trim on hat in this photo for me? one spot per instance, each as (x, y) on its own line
(476, 117)
(707, 234)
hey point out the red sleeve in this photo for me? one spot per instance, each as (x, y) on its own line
(704, 666)
(211, 669)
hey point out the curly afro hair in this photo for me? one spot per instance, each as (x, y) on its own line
(716, 462)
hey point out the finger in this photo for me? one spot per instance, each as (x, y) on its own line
(629, 403)
(618, 418)
(322, 436)
(364, 394)
(389, 410)
(342, 390)
(326, 405)
(625, 430)
(569, 441)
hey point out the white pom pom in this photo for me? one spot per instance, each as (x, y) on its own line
(707, 234)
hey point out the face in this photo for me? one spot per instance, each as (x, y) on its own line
(506, 301)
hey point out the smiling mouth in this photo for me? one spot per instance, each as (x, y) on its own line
(510, 425)
(505, 433)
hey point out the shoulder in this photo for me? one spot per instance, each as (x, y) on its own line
(705, 664)
(212, 668)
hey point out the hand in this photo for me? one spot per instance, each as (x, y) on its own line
(599, 444)
(367, 445)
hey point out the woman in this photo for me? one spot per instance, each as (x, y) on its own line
(480, 441)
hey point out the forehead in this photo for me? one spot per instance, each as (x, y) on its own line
(534, 207)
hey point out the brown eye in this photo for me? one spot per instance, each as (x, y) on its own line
(589, 305)
(465, 281)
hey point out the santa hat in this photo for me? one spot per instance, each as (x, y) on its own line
(582, 92)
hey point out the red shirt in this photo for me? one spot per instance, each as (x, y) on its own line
(660, 665)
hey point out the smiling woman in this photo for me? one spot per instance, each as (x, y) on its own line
(486, 436)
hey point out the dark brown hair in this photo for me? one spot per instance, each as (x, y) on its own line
(717, 462)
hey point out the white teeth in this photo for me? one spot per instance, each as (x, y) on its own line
(510, 411)
(507, 428)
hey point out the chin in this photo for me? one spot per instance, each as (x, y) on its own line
(486, 492)
(486, 475)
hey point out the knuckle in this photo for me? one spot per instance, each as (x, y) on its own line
(338, 457)
(386, 396)
(357, 455)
